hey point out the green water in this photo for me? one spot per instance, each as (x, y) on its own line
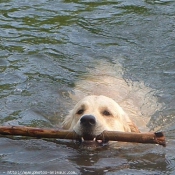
(47, 46)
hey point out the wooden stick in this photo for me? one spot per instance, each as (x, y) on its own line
(149, 137)
(154, 138)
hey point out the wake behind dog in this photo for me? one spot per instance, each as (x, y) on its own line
(106, 101)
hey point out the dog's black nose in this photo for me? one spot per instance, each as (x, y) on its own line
(88, 120)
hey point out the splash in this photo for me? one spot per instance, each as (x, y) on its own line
(107, 79)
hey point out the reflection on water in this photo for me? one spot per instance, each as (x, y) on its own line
(51, 48)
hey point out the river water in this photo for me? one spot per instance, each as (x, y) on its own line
(51, 48)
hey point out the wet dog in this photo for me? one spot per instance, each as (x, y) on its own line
(94, 114)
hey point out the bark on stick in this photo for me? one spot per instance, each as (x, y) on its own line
(149, 137)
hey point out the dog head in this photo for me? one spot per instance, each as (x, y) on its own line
(94, 114)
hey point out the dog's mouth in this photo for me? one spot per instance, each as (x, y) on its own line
(92, 140)
(88, 139)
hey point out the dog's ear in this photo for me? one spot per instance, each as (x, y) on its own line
(66, 124)
(133, 127)
(129, 125)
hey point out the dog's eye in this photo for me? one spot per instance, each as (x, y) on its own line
(106, 113)
(80, 111)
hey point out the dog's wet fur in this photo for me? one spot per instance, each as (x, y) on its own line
(94, 114)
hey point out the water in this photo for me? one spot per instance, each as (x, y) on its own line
(49, 48)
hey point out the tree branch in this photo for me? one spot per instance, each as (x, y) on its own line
(153, 138)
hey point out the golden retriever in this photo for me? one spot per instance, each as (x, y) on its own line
(94, 114)
(106, 101)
